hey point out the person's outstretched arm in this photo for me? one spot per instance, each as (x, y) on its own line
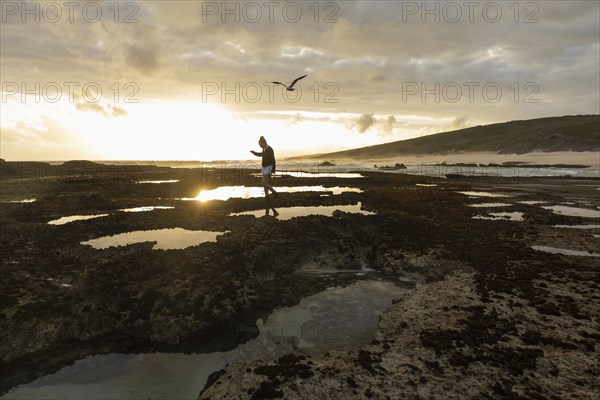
(256, 153)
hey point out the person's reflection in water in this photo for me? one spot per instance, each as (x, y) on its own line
(268, 209)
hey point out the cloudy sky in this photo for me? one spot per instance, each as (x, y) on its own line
(126, 80)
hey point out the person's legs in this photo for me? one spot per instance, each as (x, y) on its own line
(266, 182)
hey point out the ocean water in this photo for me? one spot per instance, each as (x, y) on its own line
(425, 166)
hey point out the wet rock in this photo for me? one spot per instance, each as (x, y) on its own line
(485, 317)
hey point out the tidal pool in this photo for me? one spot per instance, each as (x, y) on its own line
(483, 205)
(505, 216)
(589, 226)
(565, 252)
(166, 239)
(246, 192)
(484, 194)
(72, 218)
(164, 181)
(146, 208)
(285, 213)
(574, 211)
(335, 319)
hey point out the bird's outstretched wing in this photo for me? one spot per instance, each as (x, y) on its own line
(279, 83)
(297, 79)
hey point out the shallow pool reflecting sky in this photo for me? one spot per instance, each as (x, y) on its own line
(166, 239)
(340, 318)
(246, 192)
(285, 213)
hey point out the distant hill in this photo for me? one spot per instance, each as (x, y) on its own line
(568, 133)
(81, 164)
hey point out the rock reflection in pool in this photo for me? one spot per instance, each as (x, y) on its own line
(285, 213)
(337, 319)
(246, 192)
(72, 218)
(173, 238)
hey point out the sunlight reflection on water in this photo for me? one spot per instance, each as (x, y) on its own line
(72, 218)
(574, 211)
(286, 213)
(247, 192)
(166, 239)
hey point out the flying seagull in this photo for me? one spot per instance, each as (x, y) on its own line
(290, 88)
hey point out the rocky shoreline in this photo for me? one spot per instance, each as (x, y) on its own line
(489, 318)
(502, 322)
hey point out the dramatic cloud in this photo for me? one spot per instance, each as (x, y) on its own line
(93, 107)
(364, 122)
(117, 111)
(108, 110)
(460, 122)
(142, 58)
(388, 125)
(398, 63)
(296, 119)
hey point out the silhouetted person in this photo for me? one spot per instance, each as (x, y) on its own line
(268, 166)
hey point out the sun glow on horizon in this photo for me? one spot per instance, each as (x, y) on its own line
(168, 130)
(163, 129)
(179, 129)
